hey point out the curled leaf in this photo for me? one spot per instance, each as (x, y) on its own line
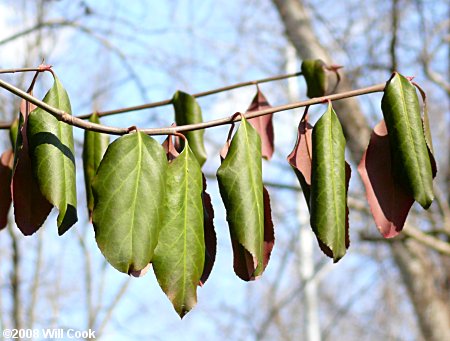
(316, 79)
(52, 156)
(187, 111)
(300, 158)
(411, 162)
(95, 145)
(210, 234)
(388, 201)
(328, 199)
(179, 257)
(6, 164)
(247, 207)
(128, 191)
(263, 124)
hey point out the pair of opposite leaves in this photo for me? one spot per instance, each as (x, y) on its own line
(389, 197)
(42, 174)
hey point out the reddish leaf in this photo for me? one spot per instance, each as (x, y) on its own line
(6, 164)
(30, 206)
(269, 235)
(301, 155)
(170, 148)
(243, 263)
(140, 273)
(263, 124)
(209, 233)
(388, 201)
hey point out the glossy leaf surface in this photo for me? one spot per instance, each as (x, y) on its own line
(241, 188)
(328, 185)
(187, 111)
(129, 190)
(180, 254)
(410, 159)
(95, 145)
(52, 156)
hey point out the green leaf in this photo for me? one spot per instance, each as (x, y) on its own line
(187, 111)
(410, 158)
(95, 145)
(328, 185)
(241, 188)
(128, 191)
(180, 255)
(13, 131)
(52, 156)
(315, 77)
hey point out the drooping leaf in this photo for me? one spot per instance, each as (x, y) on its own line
(128, 190)
(95, 145)
(410, 159)
(31, 208)
(52, 156)
(316, 79)
(388, 201)
(263, 124)
(300, 158)
(179, 257)
(187, 111)
(210, 234)
(13, 131)
(328, 185)
(248, 216)
(427, 131)
(6, 164)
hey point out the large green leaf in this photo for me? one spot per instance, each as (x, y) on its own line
(128, 191)
(180, 254)
(187, 111)
(328, 185)
(315, 76)
(241, 188)
(410, 159)
(95, 145)
(52, 156)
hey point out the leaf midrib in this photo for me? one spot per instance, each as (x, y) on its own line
(252, 180)
(411, 141)
(136, 188)
(333, 181)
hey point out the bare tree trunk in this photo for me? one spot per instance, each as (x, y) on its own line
(299, 30)
(432, 311)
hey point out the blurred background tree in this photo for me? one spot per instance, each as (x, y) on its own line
(111, 54)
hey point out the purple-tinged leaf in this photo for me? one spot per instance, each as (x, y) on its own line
(6, 164)
(263, 124)
(388, 200)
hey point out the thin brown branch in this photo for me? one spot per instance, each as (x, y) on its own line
(112, 306)
(15, 280)
(34, 289)
(78, 122)
(428, 240)
(197, 95)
